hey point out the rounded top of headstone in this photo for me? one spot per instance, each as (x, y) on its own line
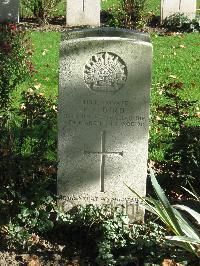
(105, 32)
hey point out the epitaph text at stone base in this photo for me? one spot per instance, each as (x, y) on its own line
(103, 118)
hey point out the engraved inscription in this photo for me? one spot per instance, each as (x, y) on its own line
(134, 201)
(106, 113)
(103, 153)
(105, 72)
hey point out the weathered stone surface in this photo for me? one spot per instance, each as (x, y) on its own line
(103, 116)
(9, 11)
(83, 12)
(188, 7)
(170, 7)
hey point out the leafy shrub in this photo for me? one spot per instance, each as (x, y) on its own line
(41, 9)
(38, 119)
(134, 10)
(30, 155)
(116, 18)
(130, 14)
(15, 51)
(196, 23)
(185, 233)
(180, 139)
(181, 23)
(27, 148)
(32, 218)
(27, 144)
(28, 170)
(103, 236)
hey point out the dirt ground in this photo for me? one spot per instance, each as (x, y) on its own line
(14, 259)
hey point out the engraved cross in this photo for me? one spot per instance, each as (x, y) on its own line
(103, 154)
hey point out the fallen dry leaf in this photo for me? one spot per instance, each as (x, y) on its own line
(34, 239)
(197, 114)
(158, 118)
(37, 86)
(34, 261)
(172, 76)
(157, 130)
(44, 52)
(170, 33)
(168, 262)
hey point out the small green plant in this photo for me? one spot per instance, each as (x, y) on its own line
(130, 14)
(15, 52)
(34, 217)
(16, 236)
(41, 9)
(38, 119)
(176, 122)
(27, 145)
(186, 234)
(103, 236)
(134, 10)
(181, 23)
(29, 157)
(28, 170)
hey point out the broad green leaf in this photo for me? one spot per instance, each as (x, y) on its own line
(193, 213)
(166, 205)
(159, 211)
(187, 227)
(193, 193)
(187, 236)
(134, 192)
(185, 239)
(189, 247)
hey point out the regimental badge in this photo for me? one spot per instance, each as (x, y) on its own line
(105, 72)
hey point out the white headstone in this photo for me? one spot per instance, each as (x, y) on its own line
(103, 119)
(168, 8)
(83, 12)
(9, 11)
(188, 7)
(171, 7)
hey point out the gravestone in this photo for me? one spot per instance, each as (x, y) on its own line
(188, 7)
(170, 7)
(83, 12)
(9, 11)
(103, 117)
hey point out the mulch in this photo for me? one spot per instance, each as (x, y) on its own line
(14, 259)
